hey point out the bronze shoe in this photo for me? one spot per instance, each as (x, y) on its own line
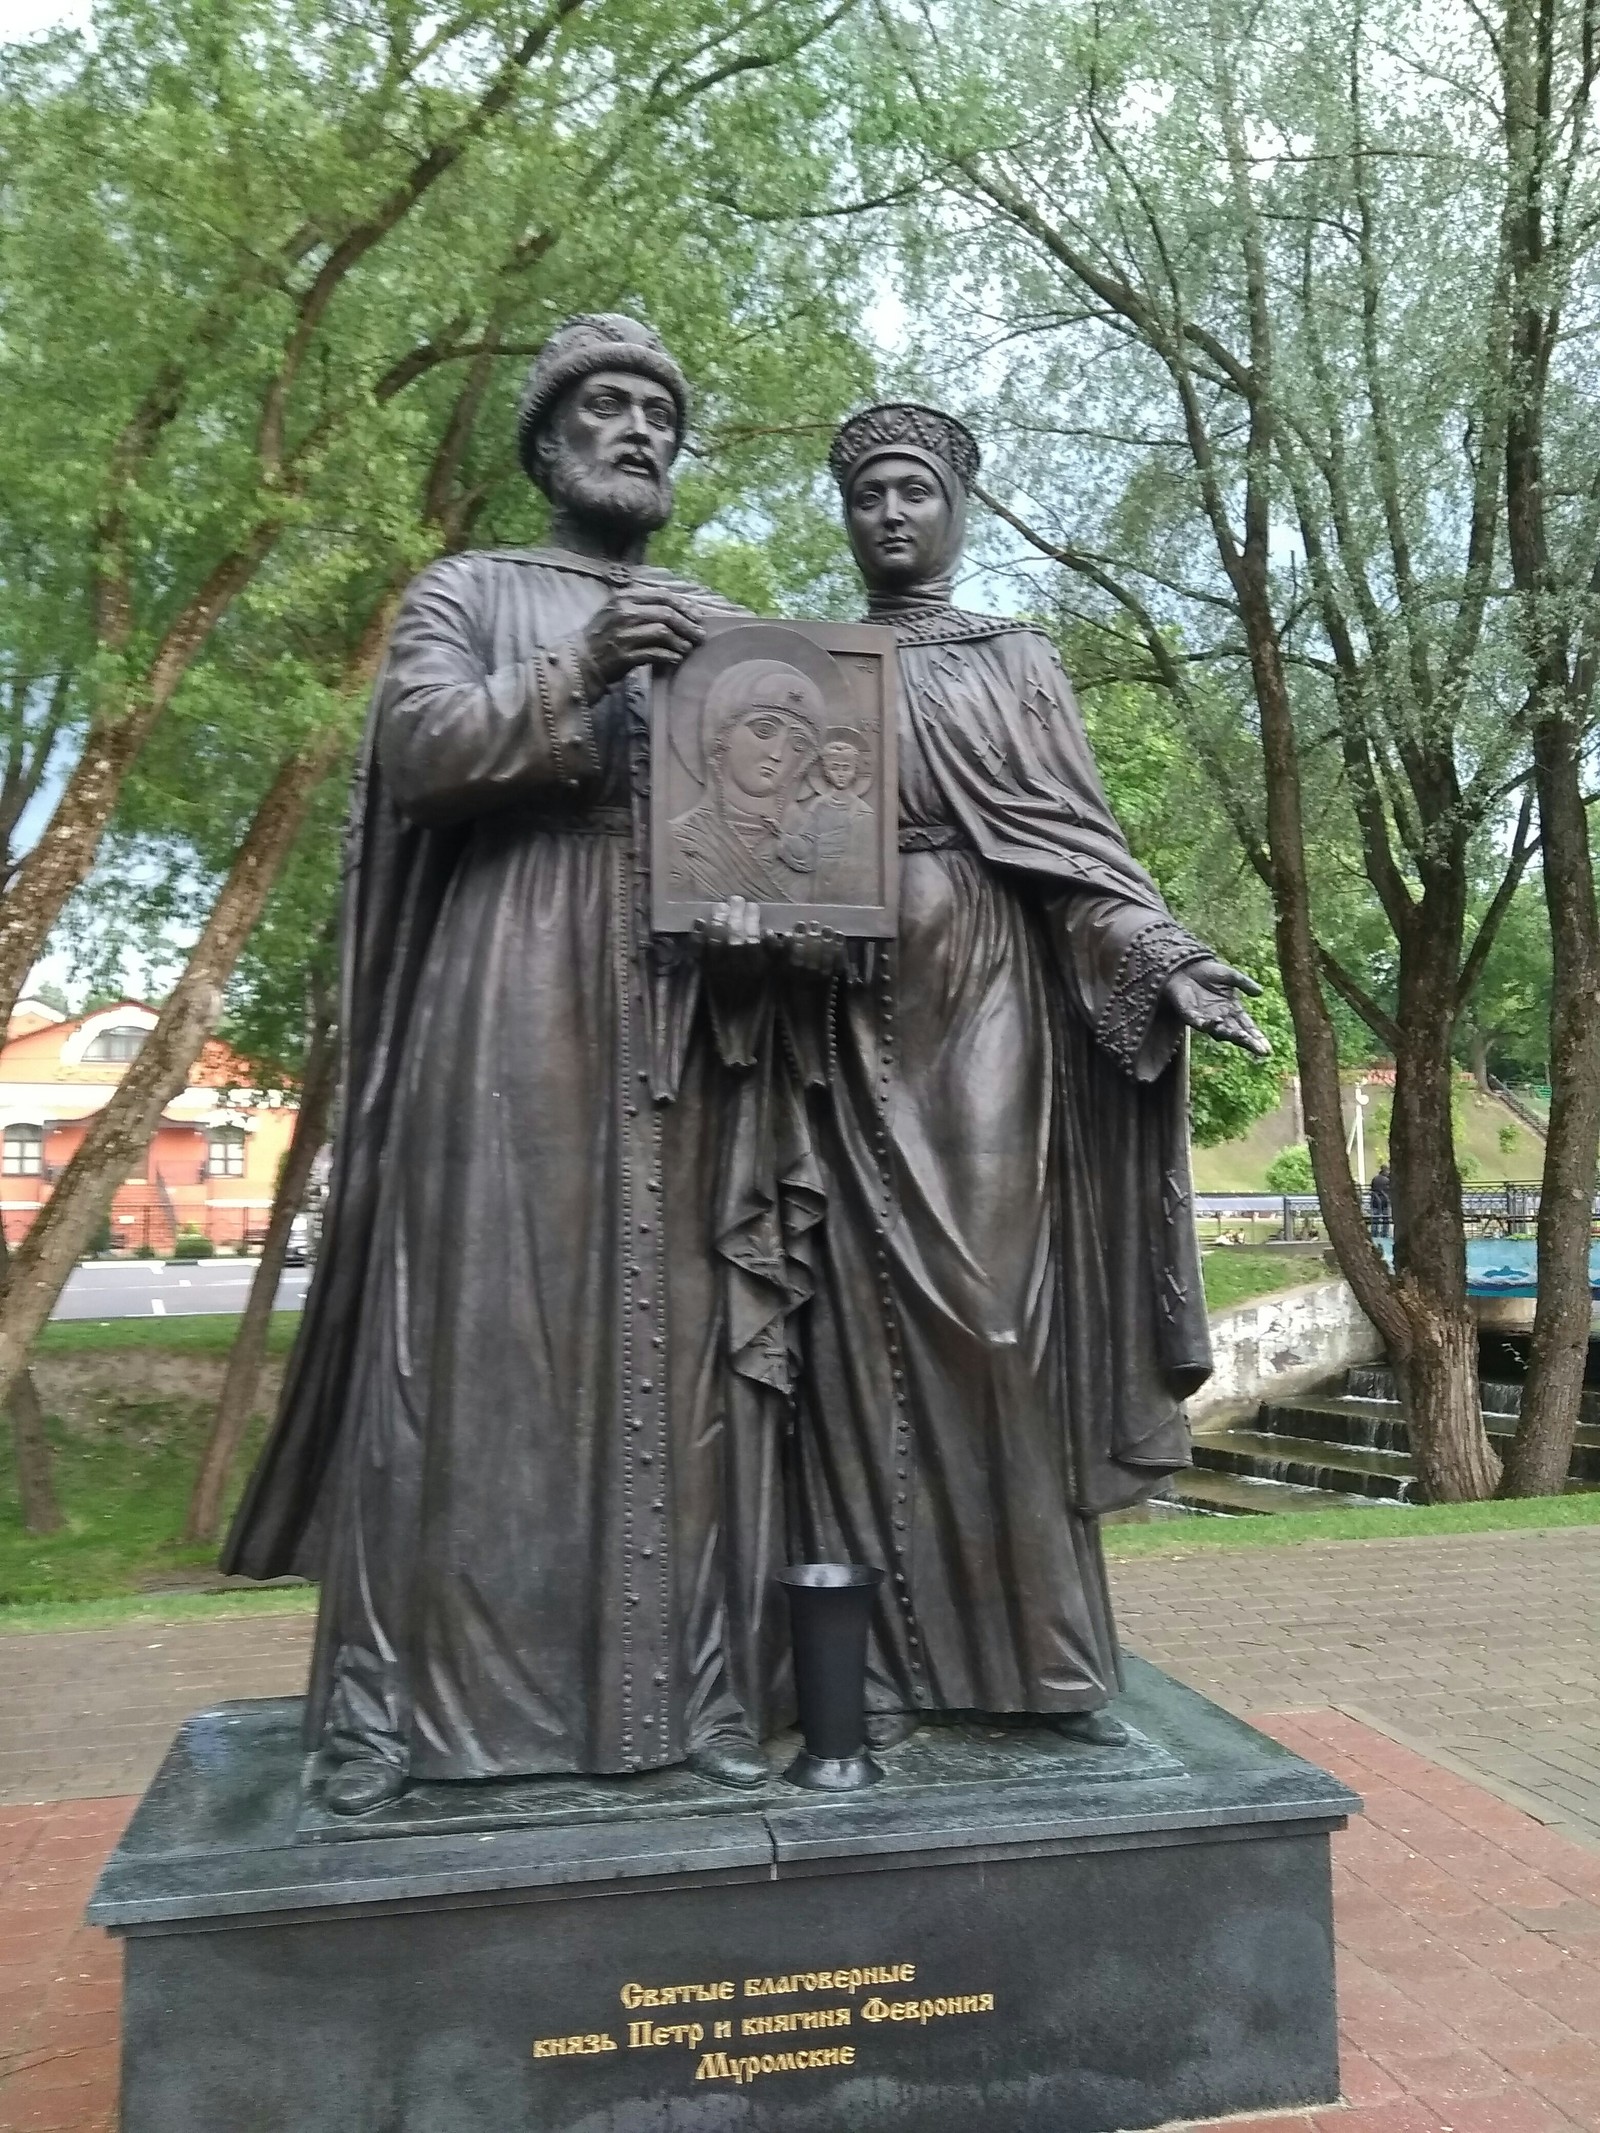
(730, 1761)
(1098, 1728)
(360, 1785)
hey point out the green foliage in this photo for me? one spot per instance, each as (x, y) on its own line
(1228, 1089)
(240, 395)
(1507, 1140)
(1172, 820)
(1509, 1013)
(193, 1244)
(1290, 1169)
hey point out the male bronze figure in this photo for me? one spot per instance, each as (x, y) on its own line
(503, 1444)
(1008, 1312)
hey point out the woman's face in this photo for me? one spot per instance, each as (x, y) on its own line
(898, 521)
(759, 753)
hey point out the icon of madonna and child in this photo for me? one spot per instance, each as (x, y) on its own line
(783, 781)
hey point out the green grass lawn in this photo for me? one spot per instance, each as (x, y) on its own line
(1233, 1274)
(123, 1487)
(200, 1335)
(123, 1478)
(1188, 1536)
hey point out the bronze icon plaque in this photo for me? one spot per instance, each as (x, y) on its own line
(773, 777)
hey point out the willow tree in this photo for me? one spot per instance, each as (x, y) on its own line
(1545, 58)
(239, 236)
(610, 207)
(1234, 291)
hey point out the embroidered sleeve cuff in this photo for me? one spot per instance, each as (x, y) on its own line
(1124, 1024)
(560, 699)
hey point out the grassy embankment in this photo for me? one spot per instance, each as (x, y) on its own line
(130, 1402)
(135, 1398)
(1241, 1165)
(1235, 1274)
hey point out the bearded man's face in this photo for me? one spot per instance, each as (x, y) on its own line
(607, 453)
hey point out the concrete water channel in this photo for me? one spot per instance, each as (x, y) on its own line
(1346, 1442)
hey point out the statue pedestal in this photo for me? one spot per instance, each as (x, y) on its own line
(1011, 1931)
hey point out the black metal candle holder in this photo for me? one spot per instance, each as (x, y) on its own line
(830, 1605)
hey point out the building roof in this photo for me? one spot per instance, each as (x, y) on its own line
(51, 1051)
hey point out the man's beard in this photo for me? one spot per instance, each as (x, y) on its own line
(608, 497)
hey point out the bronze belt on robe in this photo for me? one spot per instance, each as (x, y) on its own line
(935, 837)
(593, 822)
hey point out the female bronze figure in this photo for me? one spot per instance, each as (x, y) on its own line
(1008, 1312)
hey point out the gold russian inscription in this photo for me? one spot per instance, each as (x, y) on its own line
(956, 2003)
(633, 1995)
(584, 2045)
(650, 2036)
(793, 2018)
(724, 2066)
(797, 1981)
(645, 2033)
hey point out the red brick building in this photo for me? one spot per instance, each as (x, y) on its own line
(211, 1167)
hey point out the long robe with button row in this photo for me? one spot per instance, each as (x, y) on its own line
(514, 1445)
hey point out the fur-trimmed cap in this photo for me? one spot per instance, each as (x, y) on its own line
(904, 424)
(591, 341)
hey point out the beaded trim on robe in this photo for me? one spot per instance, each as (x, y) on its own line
(618, 574)
(949, 625)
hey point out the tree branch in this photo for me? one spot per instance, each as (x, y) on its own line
(1523, 846)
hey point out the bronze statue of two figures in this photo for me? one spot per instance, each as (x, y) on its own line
(821, 1196)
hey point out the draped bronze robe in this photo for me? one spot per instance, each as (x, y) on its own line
(530, 1434)
(1008, 1311)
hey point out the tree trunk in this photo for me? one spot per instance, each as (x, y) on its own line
(1541, 1451)
(61, 857)
(1554, 618)
(121, 1132)
(248, 1353)
(1438, 1376)
(1454, 1460)
(1478, 1053)
(36, 1486)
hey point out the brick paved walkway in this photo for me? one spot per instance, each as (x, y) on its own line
(60, 1980)
(92, 1711)
(1482, 1647)
(1469, 1959)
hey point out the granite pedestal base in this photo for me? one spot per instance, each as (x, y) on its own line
(1011, 1932)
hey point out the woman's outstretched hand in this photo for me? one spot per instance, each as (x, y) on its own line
(1206, 996)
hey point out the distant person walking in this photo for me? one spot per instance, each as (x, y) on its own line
(1379, 1201)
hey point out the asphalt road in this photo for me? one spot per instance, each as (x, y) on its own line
(144, 1288)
